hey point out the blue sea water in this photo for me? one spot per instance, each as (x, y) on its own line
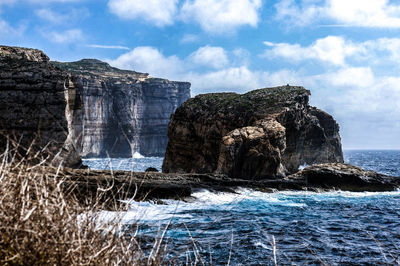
(255, 228)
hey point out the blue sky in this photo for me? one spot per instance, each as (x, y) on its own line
(347, 52)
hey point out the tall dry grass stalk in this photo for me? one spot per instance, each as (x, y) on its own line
(43, 223)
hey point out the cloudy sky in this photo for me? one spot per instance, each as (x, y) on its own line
(347, 52)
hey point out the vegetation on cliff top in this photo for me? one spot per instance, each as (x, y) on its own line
(266, 97)
(93, 66)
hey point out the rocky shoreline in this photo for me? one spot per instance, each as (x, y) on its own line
(156, 186)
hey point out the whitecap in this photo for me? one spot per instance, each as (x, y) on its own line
(301, 167)
(137, 155)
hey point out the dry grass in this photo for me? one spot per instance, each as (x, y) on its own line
(41, 223)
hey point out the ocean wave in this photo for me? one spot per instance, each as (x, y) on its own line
(137, 155)
(205, 200)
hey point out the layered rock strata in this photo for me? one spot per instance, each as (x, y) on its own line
(124, 111)
(266, 133)
(40, 108)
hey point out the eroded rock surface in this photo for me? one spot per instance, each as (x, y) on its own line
(345, 177)
(124, 111)
(261, 134)
(253, 152)
(40, 107)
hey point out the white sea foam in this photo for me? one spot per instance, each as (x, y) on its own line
(339, 193)
(137, 155)
(201, 200)
(264, 246)
(208, 200)
(301, 167)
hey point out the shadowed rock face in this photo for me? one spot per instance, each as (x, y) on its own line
(124, 111)
(261, 134)
(39, 106)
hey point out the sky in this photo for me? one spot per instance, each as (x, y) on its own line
(346, 52)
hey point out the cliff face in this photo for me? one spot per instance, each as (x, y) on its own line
(265, 133)
(124, 111)
(40, 107)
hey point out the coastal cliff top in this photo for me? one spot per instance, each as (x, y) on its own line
(18, 53)
(96, 67)
(256, 100)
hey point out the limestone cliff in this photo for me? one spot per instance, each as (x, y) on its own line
(124, 111)
(40, 107)
(261, 134)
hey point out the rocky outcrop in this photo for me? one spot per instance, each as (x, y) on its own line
(152, 185)
(262, 134)
(40, 107)
(345, 177)
(124, 111)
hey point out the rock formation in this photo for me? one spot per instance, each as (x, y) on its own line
(40, 107)
(345, 177)
(265, 133)
(124, 111)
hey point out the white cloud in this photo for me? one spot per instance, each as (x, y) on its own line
(158, 12)
(297, 13)
(338, 51)
(189, 38)
(70, 15)
(39, 2)
(49, 15)
(150, 60)
(8, 31)
(238, 79)
(359, 13)
(7, 2)
(331, 49)
(361, 77)
(108, 46)
(215, 16)
(52, 1)
(219, 16)
(5, 28)
(390, 46)
(241, 57)
(68, 36)
(215, 57)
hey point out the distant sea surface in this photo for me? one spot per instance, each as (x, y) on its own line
(254, 228)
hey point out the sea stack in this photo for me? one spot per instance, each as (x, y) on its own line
(265, 133)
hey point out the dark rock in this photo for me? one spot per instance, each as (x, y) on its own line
(345, 177)
(265, 133)
(253, 152)
(151, 169)
(124, 111)
(40, 108)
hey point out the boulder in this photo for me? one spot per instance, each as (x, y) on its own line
(264, 133)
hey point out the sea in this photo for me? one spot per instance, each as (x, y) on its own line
(249, 227)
